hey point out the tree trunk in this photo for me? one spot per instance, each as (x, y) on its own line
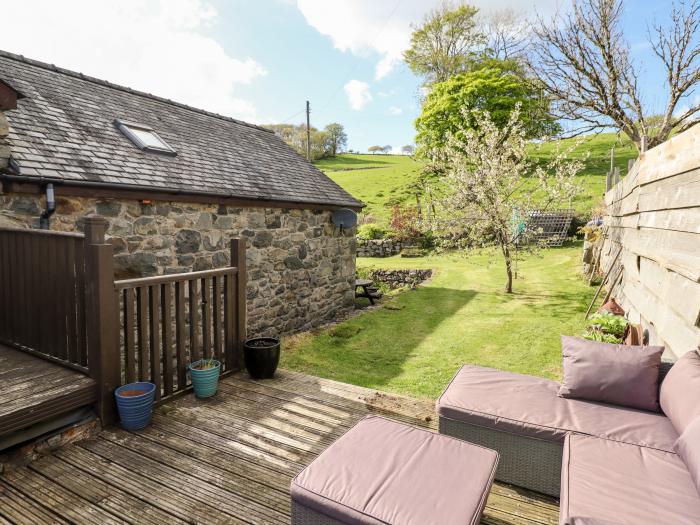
(509, 268)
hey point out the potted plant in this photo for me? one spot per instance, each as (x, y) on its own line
(205, 376)
(606, 327)
(261, 355)
(135, 404)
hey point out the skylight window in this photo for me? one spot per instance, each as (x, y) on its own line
(144, 137)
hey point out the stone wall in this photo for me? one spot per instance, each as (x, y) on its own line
(400, 278)
(379, 247)
(301, 269)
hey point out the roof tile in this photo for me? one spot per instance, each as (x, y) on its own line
(64, 129)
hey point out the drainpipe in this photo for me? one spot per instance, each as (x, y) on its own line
(50, 208)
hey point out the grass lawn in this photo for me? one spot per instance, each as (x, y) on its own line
(381, 181)
(415, 342)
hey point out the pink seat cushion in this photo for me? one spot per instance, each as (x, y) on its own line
(607, 481)
(382, 472)
(680, 391)
(530, 406)
(688, 448)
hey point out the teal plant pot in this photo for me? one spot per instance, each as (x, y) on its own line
(206, 381)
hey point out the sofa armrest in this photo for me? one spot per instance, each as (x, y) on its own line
(663, 369)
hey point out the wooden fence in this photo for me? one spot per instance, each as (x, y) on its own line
(59, 301)
(653, 214)
(42, 294)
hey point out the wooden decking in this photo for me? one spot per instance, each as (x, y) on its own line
(33, 390)
(229, 459)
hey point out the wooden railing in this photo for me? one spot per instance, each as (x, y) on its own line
(42, 294)
(170, 321)
(59, 301)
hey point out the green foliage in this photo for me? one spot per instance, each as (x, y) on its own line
(460, 316)
(323, 143)
(443, 45)
(337, 138)
(605, 327)
(371, 231)
(496, 87)
(601, 337)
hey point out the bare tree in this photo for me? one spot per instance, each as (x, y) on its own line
(506, 32)
(583, 62)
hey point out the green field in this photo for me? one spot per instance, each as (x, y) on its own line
(381, 181)
(415, 342)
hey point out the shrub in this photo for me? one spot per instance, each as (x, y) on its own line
(404, 223)
(371, 231)
(606, 327)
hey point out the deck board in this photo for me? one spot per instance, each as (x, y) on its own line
(228, 459)
(34, 389)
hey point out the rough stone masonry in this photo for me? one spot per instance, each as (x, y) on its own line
(301, 269)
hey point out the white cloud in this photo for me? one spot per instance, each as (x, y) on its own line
(161, 47)
(394, 110)
(358, 94)
(363, 27)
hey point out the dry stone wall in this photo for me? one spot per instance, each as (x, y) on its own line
(400, 278)
(301, 269)
(379, 247)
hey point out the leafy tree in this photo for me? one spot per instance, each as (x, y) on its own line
(496, 88)
(386, 149)
(375, 149)
(295, 136)
(408, 149)
(582, 60)
(337, 138)
(444, 44)
(490, 181)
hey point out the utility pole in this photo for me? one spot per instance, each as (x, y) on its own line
(308, 131)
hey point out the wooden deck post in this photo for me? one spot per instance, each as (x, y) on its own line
(102, 317)
(238, 255)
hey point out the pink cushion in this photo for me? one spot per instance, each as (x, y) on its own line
(382, 472)
(680, 391)
(530, 406)
(688, 448)
(616, 374)
(610, 482)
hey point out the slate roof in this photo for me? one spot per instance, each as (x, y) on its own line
(64, 129)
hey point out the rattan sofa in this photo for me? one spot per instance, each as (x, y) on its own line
(601, 445)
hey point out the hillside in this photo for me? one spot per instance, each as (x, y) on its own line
(381, 181)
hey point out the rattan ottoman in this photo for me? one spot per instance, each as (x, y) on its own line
(384, 472)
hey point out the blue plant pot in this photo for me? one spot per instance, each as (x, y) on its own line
(135, 411)
(205, 382)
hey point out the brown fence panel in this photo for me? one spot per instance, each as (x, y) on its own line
(42, 294)
(169, 321)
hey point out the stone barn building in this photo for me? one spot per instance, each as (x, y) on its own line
(175, 183)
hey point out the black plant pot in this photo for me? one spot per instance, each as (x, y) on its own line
(262, 355)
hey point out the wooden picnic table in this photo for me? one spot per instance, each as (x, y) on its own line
(364, 285)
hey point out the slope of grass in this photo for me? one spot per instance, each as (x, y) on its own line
(381, 181)
(416, 344)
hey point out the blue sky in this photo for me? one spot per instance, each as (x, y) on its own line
(261, 60)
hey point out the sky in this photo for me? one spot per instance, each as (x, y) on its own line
(260, 60)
